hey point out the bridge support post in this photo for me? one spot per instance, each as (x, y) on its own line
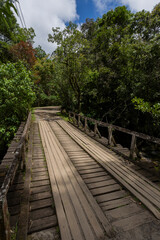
(133, 146)
(110, 135)
(4, 220)
(95, 128)
(79, 120)
(74, 119)
(96, 131)
(85, 124)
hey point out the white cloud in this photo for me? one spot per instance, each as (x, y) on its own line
(43, 15)
(138, 5)
(101, 5)
(135, 5)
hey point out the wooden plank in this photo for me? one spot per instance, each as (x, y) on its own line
(43, 223)
(41, 213)
(35, 170)
(41, 203)
(64, 228)
(39, 178)
(101, 184)
(80, 168)
(111, 196)
(24, 211)
(124, 211)
(39, 196)
(40, 183)
(39, 161)
(40, 189)
(40, 165)
(133, 221)
(97, 179)
(91, 200)
(81, 160)
(68, 178)
(131, 181)
(94, 170)
(38, 173)
(90, 175)
(105, 189)
(116, 203)
(84, 164)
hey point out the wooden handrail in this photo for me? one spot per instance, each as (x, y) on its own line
(19, 154)
(111, 141)
(121, 129)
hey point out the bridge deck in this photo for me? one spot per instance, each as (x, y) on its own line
(88, 199)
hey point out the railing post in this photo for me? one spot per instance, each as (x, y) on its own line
(95, 128)
(74, 117)
(85, 124)
(23, 162)
(133, 146)
(79, 120)
(69, 116)
(4, 220)
(110, 135)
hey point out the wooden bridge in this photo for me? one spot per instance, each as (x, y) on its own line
(73, 187)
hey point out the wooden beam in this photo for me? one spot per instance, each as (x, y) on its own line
(147, 192)
(96, 131)
(133, 146)
(79, 120)
(4, 220)
(110, 136)
(85, 124)
(121, 129)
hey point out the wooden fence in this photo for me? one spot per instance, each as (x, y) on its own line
(18, 159)
(134, 135)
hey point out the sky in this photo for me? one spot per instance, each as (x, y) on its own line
(43, 15)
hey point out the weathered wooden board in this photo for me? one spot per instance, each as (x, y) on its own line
(63, 170)
(140, 187)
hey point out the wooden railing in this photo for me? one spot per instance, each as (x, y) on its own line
(18, 158)
(77, 120)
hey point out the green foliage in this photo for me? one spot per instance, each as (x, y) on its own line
(16, 98)
(102, 67)
(44, 75)
(39, 52)
(10, 31)
(71, 57)
(154, 110)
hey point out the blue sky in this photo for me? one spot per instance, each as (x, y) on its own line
(88, 9)
(43, 15)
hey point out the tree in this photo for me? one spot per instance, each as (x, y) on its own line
(44, 79)
(10, 31)
(71, 54)
(23, 51)
(16, 98)
(39, 52)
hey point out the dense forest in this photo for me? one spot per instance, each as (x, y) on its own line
(108, 68)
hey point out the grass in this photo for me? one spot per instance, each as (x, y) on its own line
(64, 116)
(14, 232)
(33, 115)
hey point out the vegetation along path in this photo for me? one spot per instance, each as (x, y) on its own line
(77, 189)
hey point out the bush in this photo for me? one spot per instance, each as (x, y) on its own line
(16, 98)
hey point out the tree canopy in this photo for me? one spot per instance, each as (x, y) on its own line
(109, 64)
(108, 68)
